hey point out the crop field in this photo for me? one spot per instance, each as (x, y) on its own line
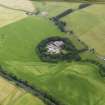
(18, 4)
(88, 24)
(68, 83)
(13, 10)
(8, 16)
(12, 95)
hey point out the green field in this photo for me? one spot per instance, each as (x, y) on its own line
(19, 40)
(70, 83)
(88, 24)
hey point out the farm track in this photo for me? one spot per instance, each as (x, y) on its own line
(36, 92)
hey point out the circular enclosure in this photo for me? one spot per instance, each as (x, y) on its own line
(56, 49)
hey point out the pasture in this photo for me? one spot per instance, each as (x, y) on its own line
(70, 83)
(54, 8)
(19, 40)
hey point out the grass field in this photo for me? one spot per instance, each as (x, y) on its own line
(18, 40)
(12, 95)
(54, 8)
(70, 83)
(16, 47)
(88, 24)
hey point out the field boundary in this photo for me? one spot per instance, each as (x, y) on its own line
(47, 99)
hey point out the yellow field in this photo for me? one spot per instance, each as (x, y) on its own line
(8, 16)
(18, 4)
(12, 95)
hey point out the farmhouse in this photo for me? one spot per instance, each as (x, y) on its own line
(55, 47)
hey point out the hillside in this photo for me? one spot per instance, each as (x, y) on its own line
(75, 81)
(71, 82)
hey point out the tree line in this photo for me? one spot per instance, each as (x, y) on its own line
(47, 99)
(71, 51)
